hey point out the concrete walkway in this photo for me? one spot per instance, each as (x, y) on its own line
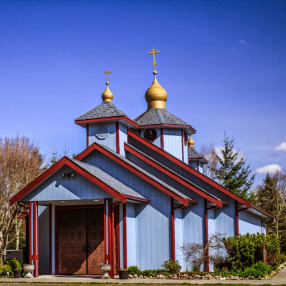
(278, 279)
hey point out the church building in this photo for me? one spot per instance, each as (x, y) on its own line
(134, 196)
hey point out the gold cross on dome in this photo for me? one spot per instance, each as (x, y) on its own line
(107, 73)
(153, 52)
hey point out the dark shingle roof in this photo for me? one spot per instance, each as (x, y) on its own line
(194, 154)
(158, 116)
(173, 190)
(107, 179)
(105, 109)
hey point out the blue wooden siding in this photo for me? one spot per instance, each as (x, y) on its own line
(250, 223)
(122, 137)
(109, 141)
(179, 237)
(225, 219)
(58, 188)
(173, 142)
(131, 235)
(153, 231)
(43, 213)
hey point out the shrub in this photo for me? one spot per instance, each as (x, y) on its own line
(134, 270)
(245, 250)
(4, 269)
(258, 270)
(14, 264)
(172, 266)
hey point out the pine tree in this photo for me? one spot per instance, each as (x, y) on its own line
(231, 170)
(271, 196)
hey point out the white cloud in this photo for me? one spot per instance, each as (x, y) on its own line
(281, 147)
(243, 42)
(269, 169)
(218, 149)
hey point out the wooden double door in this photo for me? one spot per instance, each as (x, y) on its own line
(80, 243)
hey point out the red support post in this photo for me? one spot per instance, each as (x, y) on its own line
(117, 223)
(236, 219)
(105, 231)
(117, 138)
(87, 135)
(30, 231)
(124, 238)
(112, 243)
(162, 138)
(173, 230)
(50, 239)
(182, 136)
(206, 235)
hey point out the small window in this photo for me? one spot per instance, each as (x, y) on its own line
(150, 134)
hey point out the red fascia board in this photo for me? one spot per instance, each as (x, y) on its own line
(88, 121)
(167, 125)
(173, 176)
(189, 169)
(133, 198)
(65, 161)
(118, 160)
(199, 159)
(263, 211)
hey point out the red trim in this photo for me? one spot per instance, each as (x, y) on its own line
(199, 159)
(112, 243)
(137, 199)
(87, 135)
(124, 238)
(189, 169)
(236, 219)
(56, 242)
(162, 138)
(117, 138)
(182, 139)
(50, 240)
(198, 166)
(206, 234)
(172, 175)
(126, 165)
(79, 122)
(105, 237)
(117, 223)
(75, 167)
(109, 235)
(167, 125)
(30, 231)
(173, 230)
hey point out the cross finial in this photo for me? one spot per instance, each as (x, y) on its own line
(107, 77)
(153, 52)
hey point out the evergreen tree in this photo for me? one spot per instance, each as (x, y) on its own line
(271, 196)
(231, 170)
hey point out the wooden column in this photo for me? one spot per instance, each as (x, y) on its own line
(87, 135)
(124, 237)
(162, 138)
(34, 237)
(236, 219)
(117, 138)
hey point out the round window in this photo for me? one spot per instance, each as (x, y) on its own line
(150, 135)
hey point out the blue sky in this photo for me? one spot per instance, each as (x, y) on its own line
(223, 64)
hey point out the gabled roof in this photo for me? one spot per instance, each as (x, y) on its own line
(93, 174)
(187, 168)
(162, 117)
(153, 180)
(109, 180)
(195, 155)
(170, 173)
(103, 112)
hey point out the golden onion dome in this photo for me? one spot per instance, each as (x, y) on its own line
(107, 95)
(191, 142)
(156, 96)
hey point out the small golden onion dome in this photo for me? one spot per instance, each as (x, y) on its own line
(156, 96)
(107, 95)
(191, 142)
